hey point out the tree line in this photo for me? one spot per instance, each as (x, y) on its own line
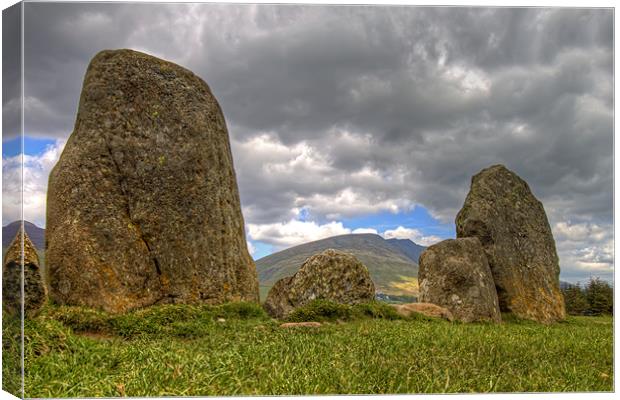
(594, 298)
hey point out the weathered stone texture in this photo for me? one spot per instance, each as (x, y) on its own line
(511, 224)
(143, 206)
(455, 274)
(330, 275)
(426, 309)
(34, 287)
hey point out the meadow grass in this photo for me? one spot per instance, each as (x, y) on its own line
(11, 355)
(188, 350)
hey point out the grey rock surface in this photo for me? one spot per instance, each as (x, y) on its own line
(512, 226)
(143, 206)
(330, 275)
(455, 274)
(35, 291)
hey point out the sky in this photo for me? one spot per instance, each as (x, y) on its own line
(353, 119)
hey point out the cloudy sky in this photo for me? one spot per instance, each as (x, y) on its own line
(358, 119)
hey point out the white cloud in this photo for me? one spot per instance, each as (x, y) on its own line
(364, 230)
(412, 234)
(294, 232)
(276, 158)
(564, 231)
(467, 80)
(251, 248)
(584, 249)
(35, 174)
(351, 202)
(11, 189)
(276, 181)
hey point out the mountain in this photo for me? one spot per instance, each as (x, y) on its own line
(409, 248)
(391, 264)
(36, 234)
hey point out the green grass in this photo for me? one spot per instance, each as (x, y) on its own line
(185, 350)
(263, 291)
(11, 354)
(323, 311)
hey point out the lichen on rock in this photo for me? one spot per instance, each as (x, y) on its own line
(512, 226)
(143, 206)
(455, 274)
(35, 291)
(330, 275)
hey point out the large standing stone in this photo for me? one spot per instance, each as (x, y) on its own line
(330, 275)
(455, 274)
(513, 229)
(35, 292)
(143, 206)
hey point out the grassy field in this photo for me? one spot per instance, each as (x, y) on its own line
(185, 350)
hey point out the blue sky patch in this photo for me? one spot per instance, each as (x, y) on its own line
(32, 146)
(261, 249)
(418, 218)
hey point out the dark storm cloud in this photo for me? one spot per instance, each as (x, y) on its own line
(62, 38)
(349, 67)
(351, 110)
(11, 71)
(399, 76)
(500, 37)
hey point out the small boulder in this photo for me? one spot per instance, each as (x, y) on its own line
(301, 325)
(330, 275)
(511, 224)
(34, 287)
(277, 303)
(455, 274)
(426, 309)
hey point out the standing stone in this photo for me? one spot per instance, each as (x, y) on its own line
(330, 275)
(34, 287)
(513, 229)
(455, 274)
(143, 206)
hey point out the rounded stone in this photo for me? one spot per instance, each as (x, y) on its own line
(331, 275)
(455, 274)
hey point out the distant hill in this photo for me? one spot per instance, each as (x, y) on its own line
(409, 248)
(390, 263)
(36, 234)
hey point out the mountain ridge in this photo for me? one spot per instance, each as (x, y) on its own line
(410, 248)
(393, 271)
(36, 234)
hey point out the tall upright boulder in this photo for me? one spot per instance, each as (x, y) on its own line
(511, 224)
(35, 292)
(143, 206)
(455, 274)
(329, 275)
